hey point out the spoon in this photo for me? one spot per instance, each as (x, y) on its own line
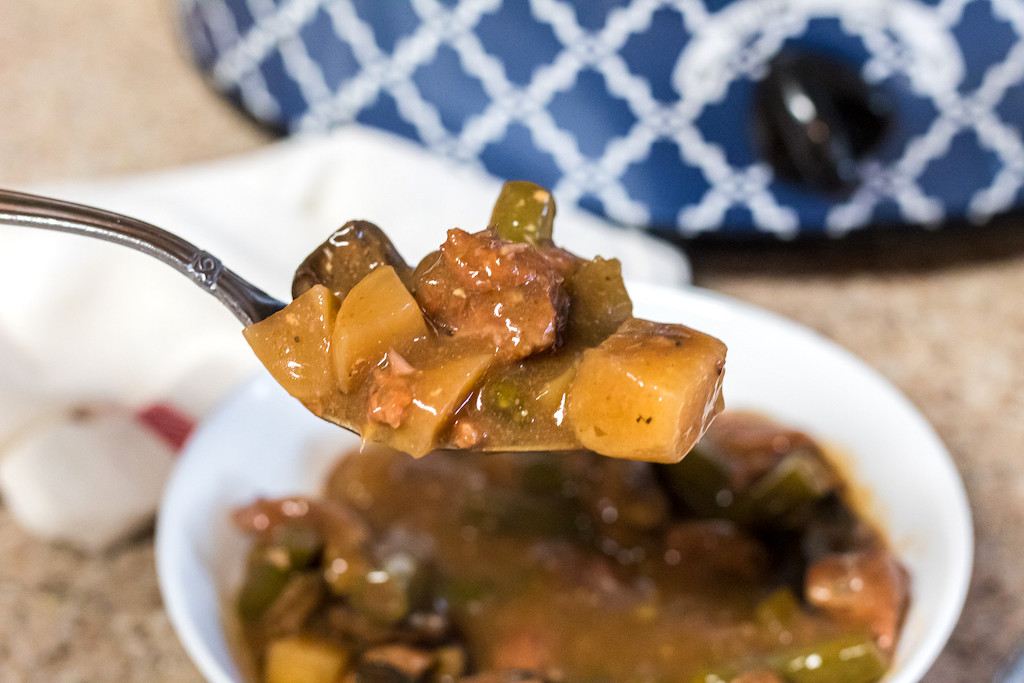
(446, 371)
(246, 301)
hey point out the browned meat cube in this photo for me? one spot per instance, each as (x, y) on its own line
(390, 391)
(867, 587)
(750, 445)
(716, 547)
(508, 293)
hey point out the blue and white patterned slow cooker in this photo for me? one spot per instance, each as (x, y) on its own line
(738, 118)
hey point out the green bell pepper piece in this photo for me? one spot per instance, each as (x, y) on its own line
(851, 658)
(524, 212)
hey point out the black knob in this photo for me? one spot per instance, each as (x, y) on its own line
(814, 118)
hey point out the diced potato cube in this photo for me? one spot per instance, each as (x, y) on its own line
(648, 392)
(298, 659)
(378, 314)
(437, 390)
(293, 344)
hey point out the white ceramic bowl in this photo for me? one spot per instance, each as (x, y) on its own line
(262, 442)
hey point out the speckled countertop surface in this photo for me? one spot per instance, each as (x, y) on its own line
(100, 88)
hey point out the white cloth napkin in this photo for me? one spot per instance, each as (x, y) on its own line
(95, 337)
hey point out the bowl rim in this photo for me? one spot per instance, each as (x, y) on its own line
(185, 562)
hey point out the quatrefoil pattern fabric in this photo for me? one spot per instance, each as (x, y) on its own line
(639, 110)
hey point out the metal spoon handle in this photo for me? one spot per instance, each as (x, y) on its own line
(249, 303)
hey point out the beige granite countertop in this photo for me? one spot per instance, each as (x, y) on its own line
(101, 88)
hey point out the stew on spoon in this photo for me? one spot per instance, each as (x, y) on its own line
(499, 340)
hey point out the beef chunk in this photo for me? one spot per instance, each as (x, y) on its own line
(716, 547)
(867, 587)
(507, 293)
(390, 391)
